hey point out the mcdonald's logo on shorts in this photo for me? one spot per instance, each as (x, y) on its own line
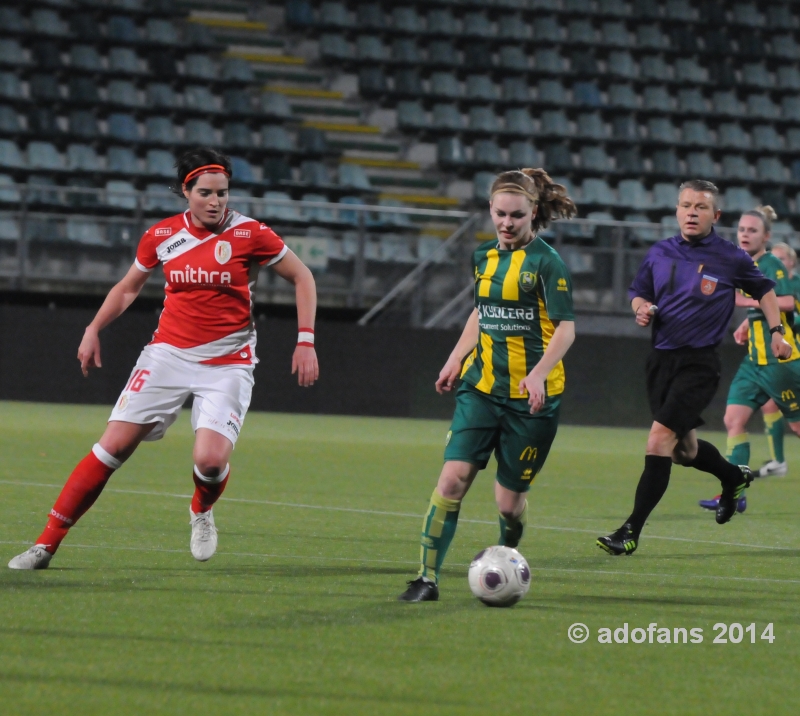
(787, 395)
(529, 454)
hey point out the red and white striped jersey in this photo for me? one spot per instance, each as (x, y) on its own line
(210, 276)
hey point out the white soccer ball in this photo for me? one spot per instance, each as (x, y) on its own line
(499, 576)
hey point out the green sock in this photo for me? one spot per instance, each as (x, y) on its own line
(511, 530)
(738, 449)
(438, 529)
(773, 427)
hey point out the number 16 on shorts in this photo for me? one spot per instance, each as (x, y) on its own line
(735, 633)
(136, 381)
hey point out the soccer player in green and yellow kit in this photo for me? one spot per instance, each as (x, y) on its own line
(762, 378)
(509, 359)
(774, 424)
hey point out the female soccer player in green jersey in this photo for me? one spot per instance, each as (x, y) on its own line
(509, 359)
(762, 380)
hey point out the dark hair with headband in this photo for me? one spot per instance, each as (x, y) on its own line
(551, 199)
(193, 163)
(766, 214)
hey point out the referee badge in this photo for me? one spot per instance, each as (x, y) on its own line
(708, 285)
(527, 281)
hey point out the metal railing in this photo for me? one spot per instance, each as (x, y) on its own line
(57, 238)
(602, 256)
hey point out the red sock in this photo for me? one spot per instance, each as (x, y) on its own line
(79, 493)
(207, 493)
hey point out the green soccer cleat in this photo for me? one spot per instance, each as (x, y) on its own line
(729, 499)
(623, 541)
(420, 590)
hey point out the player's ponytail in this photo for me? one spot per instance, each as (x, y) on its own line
(192, 160)
(551, 199)
(766, 214)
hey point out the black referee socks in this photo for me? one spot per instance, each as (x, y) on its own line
(709, 459)
(651, 488)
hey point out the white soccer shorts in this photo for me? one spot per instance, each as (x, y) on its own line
(162, 381)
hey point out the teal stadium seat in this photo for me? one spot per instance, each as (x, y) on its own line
(407, 19)
(696, 131)
(82, 157)
(476, 24)
(160, 130)
(371, 48)
(121, 160)
(10, 156)
(735, 166)
(411, 115)
(199, 132)
(523, 154)
(44, 155)
(483, 119)
(200, 66)
(236, 68)
(447, 116)
(590, 125)
(11, 52)
(275, 104)
(237, 134)
(766, 137)
(354, 176)
(123, 127)
(122, 92)
(161, 31)
(512, 26)
(655, 67)
(700, 164)
(120, 194)
(513, 57)
(124, 60)
(277, 138)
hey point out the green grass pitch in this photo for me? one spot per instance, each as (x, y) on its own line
(296, 614)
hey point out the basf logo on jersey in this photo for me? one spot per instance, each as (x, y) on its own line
(164, 232)
(241, 233)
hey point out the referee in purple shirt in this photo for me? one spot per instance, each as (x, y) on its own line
(686, 287)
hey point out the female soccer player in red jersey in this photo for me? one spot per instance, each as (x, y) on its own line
(204, 346)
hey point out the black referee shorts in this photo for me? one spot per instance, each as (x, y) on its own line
(680, 385)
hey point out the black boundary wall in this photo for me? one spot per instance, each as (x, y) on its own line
(378, 371)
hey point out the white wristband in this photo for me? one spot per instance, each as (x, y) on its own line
(305, 337)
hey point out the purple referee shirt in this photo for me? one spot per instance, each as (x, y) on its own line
(693, 284)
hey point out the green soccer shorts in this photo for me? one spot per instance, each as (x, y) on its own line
(753, 385)
(483, 424)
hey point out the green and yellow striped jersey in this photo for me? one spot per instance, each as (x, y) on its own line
(794, 281)
(518, 295)
(759, 337)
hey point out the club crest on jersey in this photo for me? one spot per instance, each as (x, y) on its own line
(241, 233)
(708, 285)
(163, 232)
(223, 252)
(527, 281)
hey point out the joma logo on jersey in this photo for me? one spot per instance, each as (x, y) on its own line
(241, 233)
(787, 395)
(193, 275)
(163, 232)
(175, 244)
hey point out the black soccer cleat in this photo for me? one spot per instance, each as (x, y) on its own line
(420, 590)
(623, 541)
(729, 499)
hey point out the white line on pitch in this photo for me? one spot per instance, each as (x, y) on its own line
(331, 508)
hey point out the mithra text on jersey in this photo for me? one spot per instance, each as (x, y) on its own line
(193, 275)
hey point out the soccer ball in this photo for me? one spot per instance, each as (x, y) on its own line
(499, 576)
